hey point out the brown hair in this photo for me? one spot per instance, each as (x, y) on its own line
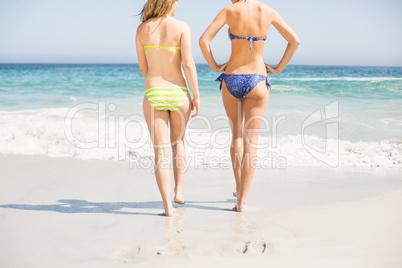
(156, 9)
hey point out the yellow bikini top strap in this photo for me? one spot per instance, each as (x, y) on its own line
(148, 47)
(161, 47)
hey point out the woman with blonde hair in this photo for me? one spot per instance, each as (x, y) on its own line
(245, 84)
(163, 47)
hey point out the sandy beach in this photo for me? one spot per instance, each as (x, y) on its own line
(77, 187)
(64, 212)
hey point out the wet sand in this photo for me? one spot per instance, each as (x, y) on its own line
(64, 212)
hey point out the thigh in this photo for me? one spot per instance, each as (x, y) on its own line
(179, 120)
(234, 110)
(255, 105)
(157, 122)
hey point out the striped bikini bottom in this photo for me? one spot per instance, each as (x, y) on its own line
(166, 98)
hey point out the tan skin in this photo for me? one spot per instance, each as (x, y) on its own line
(246, 18)
(163, 68)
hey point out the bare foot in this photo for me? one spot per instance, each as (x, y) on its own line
(179, 201)
(235, 194)
(170, 212)
(240, 207)
(178, 198)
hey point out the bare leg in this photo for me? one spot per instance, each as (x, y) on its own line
(234, 110)
(157, 122)
(255, 105)
(178, 123)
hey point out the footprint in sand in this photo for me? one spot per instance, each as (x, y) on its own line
(253, 247)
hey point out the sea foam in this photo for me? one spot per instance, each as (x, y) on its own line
(88, 136)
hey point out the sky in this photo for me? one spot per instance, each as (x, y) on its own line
(343, 32)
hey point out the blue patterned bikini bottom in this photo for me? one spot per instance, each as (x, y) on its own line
(239, 85)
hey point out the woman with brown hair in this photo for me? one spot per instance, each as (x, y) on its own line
(163, 47)
(245, 84)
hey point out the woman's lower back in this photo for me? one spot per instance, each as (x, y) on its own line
(165, 81)
(164, 69)
(244, 61)
(250, 67)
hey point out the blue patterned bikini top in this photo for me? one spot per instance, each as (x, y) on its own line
(249, 38)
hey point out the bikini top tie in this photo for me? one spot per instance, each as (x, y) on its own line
(249, 38)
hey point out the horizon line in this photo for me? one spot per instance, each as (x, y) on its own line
(134, 63)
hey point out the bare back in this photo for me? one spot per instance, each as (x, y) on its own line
(164, 65)
(250, 18)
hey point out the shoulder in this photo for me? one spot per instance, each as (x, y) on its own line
(268, 10)
(229, 9)
(232, 11)
(180, 25)
(224, 13)
(143, 27)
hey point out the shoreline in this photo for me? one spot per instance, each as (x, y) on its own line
(64, 212)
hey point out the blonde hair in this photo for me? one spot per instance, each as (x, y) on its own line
(156, 9)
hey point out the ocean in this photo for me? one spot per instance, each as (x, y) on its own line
(317, 115)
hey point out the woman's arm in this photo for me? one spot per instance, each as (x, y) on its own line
(189, 67)
(206, 38)
(293, 42)
(142, 60)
